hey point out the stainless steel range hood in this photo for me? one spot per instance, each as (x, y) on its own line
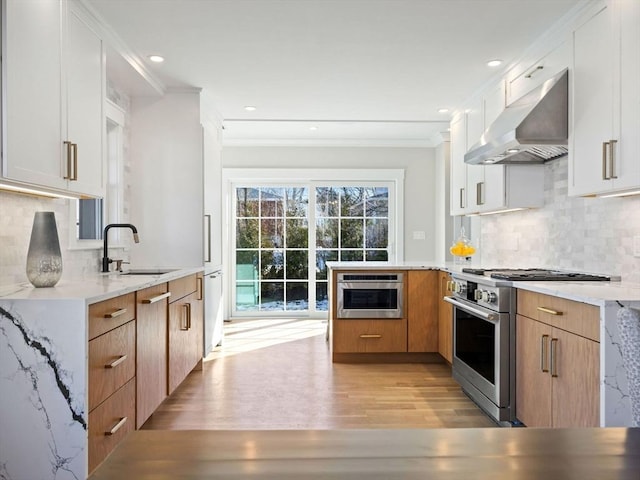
(533, 129)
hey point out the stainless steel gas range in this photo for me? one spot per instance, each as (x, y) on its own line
(484, 318)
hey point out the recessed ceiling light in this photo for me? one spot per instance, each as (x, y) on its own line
(313, 129)
(443, 110)
(156, 58)
(494, 63)
(250, 108)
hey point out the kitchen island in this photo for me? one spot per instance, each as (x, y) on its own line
(609, 297)
(44, 369)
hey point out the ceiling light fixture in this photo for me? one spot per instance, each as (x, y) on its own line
(494, 63)
(313, 129)
(250, 108)
(443, 110)
(156, 58)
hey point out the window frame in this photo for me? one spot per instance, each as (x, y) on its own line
(233, 178)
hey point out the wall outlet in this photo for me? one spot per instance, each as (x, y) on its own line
(636, 246)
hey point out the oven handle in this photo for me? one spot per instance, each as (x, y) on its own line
(490, 317)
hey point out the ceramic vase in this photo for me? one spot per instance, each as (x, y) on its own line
(44, 260)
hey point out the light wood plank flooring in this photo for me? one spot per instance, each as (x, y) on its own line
(278, 374)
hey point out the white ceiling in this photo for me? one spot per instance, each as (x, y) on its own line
(358, 70)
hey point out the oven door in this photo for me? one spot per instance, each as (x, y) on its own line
(481, 353)
(370, 300)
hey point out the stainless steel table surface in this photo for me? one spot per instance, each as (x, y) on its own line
(489, 453)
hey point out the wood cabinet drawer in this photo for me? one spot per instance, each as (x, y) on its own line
(112, 313)
(181, 287)
(110, 423)
(112, 362)
(575, 317)
(370, 336)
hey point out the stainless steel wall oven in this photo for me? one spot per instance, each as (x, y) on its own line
(367, 295)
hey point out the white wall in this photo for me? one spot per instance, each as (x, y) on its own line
(444, 221)
(167, 180)
(419, 187)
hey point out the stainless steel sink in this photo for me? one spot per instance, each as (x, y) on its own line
(149, 271)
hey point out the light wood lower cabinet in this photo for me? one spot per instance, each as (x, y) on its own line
(112, 369)
(185, 330)
(422, 311)
(110, 423)
(151, 341)
(370, 336)
(445, 319)
(557, 362)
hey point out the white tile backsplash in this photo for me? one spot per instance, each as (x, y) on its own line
(585, 234)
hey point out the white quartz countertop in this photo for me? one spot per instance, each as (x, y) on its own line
(93, 287)
(594, 293)
(414, 265)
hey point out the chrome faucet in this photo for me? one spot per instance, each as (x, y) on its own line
(105, 259)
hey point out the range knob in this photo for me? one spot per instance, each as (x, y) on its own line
(489, 297)
(459, 287)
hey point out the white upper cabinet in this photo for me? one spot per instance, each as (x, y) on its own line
(458, 145)
(484, 189)
(53, 93)
(605, 147)
(85, 75)
(527, 76)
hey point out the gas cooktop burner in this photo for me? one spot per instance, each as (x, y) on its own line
(535, 274)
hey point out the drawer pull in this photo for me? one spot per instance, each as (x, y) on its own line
(115, 314)
(117, 362)
(549, 311)
(370, 335)
(117, 426)
(155, 299)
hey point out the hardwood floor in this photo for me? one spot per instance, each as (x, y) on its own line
(277, 374)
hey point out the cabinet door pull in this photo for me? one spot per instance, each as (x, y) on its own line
(549, 311)
(117, 426)
(207, 229)
(74, 149)
(462, 205)
(554, 366)
(117, 362)
(612, 158)
(200, 288)
(532, 72)
(480, 193)
(68, 175)
(370, 335)
(543, 353)
(186, 325)
(605, 147)
(115, 314)
(155, 299)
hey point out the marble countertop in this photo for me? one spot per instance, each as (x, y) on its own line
(93, 288)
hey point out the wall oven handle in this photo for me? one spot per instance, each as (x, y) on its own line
(490, 317)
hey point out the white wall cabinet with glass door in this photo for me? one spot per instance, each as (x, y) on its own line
(605, 147)
(54, 83)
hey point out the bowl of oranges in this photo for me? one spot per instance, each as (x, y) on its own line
(462, 248)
